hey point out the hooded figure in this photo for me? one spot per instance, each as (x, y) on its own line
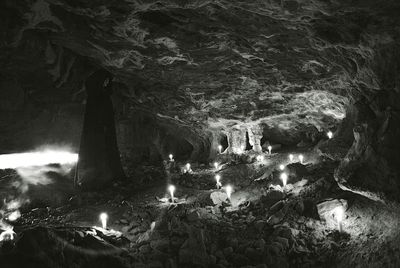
(99, 161)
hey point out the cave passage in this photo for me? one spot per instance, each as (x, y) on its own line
(99, 159)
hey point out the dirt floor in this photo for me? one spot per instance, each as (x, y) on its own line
(262, 225)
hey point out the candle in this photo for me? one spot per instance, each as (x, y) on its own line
(228, 190)
(216, 165)
(329, 134)
(218, 178)
(291, 157)
(220, 149)
(171, 190)
(103, 218)
(301, 158)
(284, 178)
(281, 167)
(187, 168)
(171, 157)
(269, 149)
(338, 213)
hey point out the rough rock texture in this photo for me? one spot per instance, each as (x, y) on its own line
(287, 69)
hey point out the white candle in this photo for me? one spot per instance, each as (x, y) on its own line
(228, 190)
(301, 158)
(216, 165)
(281, 167)
(218, 178)
(329, 134)
(269, 149)
(339, 212)
(103, 218)
(220, 149)
(284, 178)
(171, 190)
(188, 167)
(291, 157)
(171, 157)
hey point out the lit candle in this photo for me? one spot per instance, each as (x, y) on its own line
(339, 212)
(216, 165)
(218, 178)
(228, 190)
(220, 149)
(171, 157)
(291, 157)
(281, 167)
(171, 190)
(269, 149)
(103, 218)
(284, 178)
(301, 158)
(329, 134)
(187, 169)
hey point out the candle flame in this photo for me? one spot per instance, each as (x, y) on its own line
(338, 212)
(301, 158)
(281, 167)
(220, 148)
(329, 134)
(216, 165)
(291, 157)
(171, 157)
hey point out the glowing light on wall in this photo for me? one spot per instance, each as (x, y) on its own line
(329, 134)
(291, 157)
(36, 159)
(281, 167)
(301, 158)
(339, 213)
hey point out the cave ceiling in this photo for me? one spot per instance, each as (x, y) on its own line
(217, 63)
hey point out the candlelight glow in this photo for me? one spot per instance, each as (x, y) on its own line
(36, 159)
(103, 218)
(291, 157)
(301, 158)
(284, 178)
(216, 165)
(171, 157)
(329, 134)
(14, 215)
(229, 190)
(260, 158)
(7, 234)
(171, 190)
(220, 149)
(269, 149)
(281, 167)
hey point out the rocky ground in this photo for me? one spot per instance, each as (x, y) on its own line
(262, 225)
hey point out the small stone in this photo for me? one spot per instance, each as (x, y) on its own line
(193, 216)
(145, 249)
(259, 244)
(259, 225)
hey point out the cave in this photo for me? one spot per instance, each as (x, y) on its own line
(199, 134)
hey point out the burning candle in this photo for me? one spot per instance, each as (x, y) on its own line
(220, 149)
(338, 213)
(329, 134)
(228, 190)
(216, 165)
(291, 157)
(171, 157)
(269, 149)
(284, 178)
(281, 167)
(171, 190)
(301, 158)
(103, 218)
(187, 168)
(218, 178)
